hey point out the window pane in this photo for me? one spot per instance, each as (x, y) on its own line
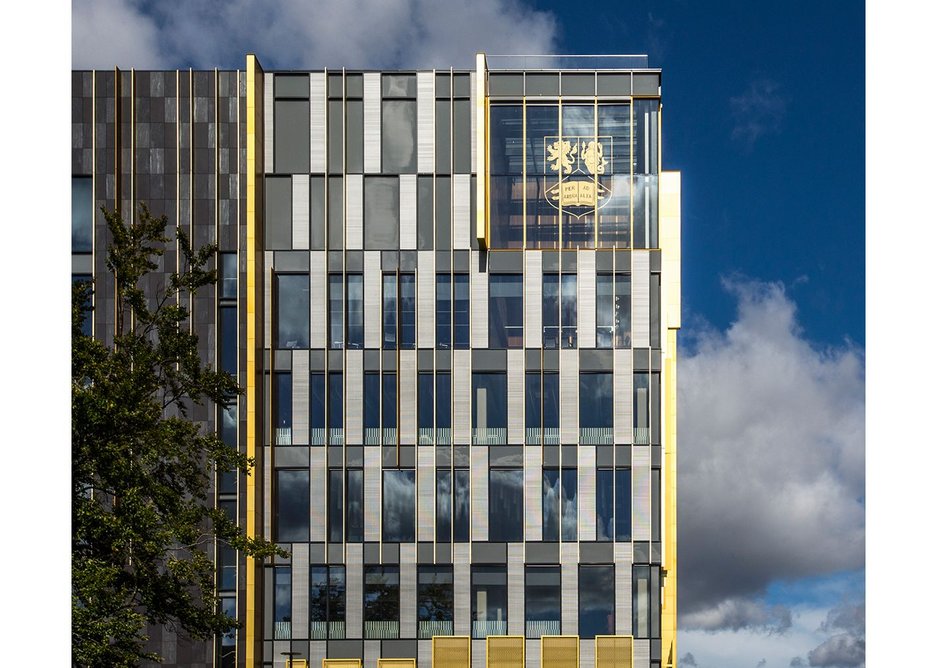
(399, 500)
(282, 602)
(443, 505)
(542, 600)
(460, 314)
(655, 504)
(336, 401)
(623, 504)
(641, 408)
(336, 505)
(318, 596)
(228, 316)
(595, 408)
(292, 505)
(381, 602)
(489, 601)
(551, 504)
(641, 601)
(551, 405)
(568, 310)
(542, 216)
(505, 311)
(604, 505)
(228, 415)
(443, 131)
(82, 210)
(372, 402)
(336, 324)
(615, 134)
(336, 212)
(337, 600)
(551, 311)
(604, 310)
(317, 409)
(317, 213)
(443, 311)
(461, 136)
(398, 136)
(291, 136)
(489, 412)
(655, 311)
(390, 311)
(506, 505)
(596, 601)
(506, 227)
(389, 401)
(292, 310)
(354, 506)
(278, 212)
(435, 602)
(578, 128)
(283, 407)
(407, 311)
(533, 401)
(228, 275)
(424, 398)
(355, 305)
(336, 136)
(87, 306)
(570, 497)
(460, 506)
(622, 311)
(443, 408)
(381, 212)
(443, 212)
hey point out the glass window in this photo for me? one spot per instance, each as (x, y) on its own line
(390, 311)
(317, 409)
(424, 407)
(542, 214)
(506, 505)
(614, 123)
(228, 275)
(533, 401)
(551, 504)
(372, 408)
(336, 323)
(326, 602)
(623, 503)
(407, 311)
(443, 311)
(568, 310)
(82, 215)
(229, 638)
(506, 162)
(542, 600)
(336, 409)
(291, 136)
(381, 212)
(595, 408)
(435, 601)
(489, 601)
(292, 319)
(354, 505)
(336, 506)
(292, 505)
(87, 306)
(505, 311)
(569, 494)
(604, 310)
(228, 317)
(354, 137)
(399, 501)
(460, 311)
(622, 310)
(551, 311)
(443, 408)
(443, 138)
(282, 602)
(283, 406)
(227, 555)
(579, 192)
(489, 414)
(389, 406)
(596, 601)
(398, 136)
(443, 505)
(551, 408)
(228, 416)
(645, 610)
(460, 506)
(398, 85)
(604, 505)
(641, 408)
(381, 602)
(354, 296)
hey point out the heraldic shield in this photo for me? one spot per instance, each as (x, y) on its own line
(578, 162)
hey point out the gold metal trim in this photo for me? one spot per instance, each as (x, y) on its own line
(396, 663)
(340, 663)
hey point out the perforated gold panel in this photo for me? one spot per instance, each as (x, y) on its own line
(341, 663)
(396, 663)
(504, 652)
(452, 652)
(614, 652)
(559, 651)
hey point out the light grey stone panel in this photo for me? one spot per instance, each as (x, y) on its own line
(318, 299)
(268, 122)
(408, 590)
(462, 594)
(318, 499)
(354, 589)
(640, 298)
(268, 295)
(586, 287)
(623, 588)
(641, 496)
(569, 396)
(622, 382)
(318, 650)
(279, 658)
(533, 299)
(587, 653)
(461, 210)
(372, 652)
(300, 581)
(586, 492)
(301, 211)
(354, 385)
(532, 654)
(478, 287)
(479, 490)
(300, 381)
(516, 589)
(642, 653)
(372, 122)
(479, 654)
(569, 587)
(426, 299)
(425, 121)
(533, 491)
(372, 299)
(425, 493)
(406, 376)
(472, 103)
(516, 397)
(425, 654)
(461, 396)
(317, 127)
(372, 494)
(408, 211)
(354, 184)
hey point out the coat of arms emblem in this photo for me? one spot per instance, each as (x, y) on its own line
(577, 162)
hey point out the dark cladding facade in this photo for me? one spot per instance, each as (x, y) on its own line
(452, 298)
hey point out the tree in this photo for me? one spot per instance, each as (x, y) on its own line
(142, 527)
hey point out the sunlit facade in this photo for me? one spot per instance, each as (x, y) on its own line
(452, 299)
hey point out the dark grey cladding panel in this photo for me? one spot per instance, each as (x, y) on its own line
(596, 553)
(642, 359)
(543, 553)
(506, 262)
(336, 360)
(389, 260)
(372, 360)
(336, 456)
(402, 649)
(532, 359)
(655, 455)
(345, 649)
(372, 553)
(336, 554)
(291, 261)
(443, 553)
(604, 260)
(482, 262)
(407, 456)
(489, 360)
(461, 260)
(460, 455)
(642, 552)
(655, 360)
(596, 360)
(604, 455)
(655, 260)
(408, 260)
(489, 553)
(82, 264)
(354, 260)
(277, 559)
(506, 455)
(336, 259)
(425, 553)
(551, 360)
(551, 455)
(506, 84)
(443, 360)
(614, 83)
(424, 359)
(623, 260)
(570, 455)
(655, 552)
(291, 85)
(568, 262)
(390, 360)
(316, 553)
(622, 455)
(390, 553)
(317, 360)
(443, 455)
(389, 456)
(443, 261)
(550, 261)
(646, 83)
(354, 455)
(282, 360)
(291, 456)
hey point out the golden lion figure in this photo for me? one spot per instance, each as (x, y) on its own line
(560, 153)
(592, 155)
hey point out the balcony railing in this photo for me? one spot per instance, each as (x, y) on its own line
(336, 436)
(381, 630)
(326, 630)
(551, 435)
(428, 629)
(642, 435)
(282, 630)
(372, 436)
(425, 436)
(596, 435)
(489, 435)
(283, 436)
(317, 436)
(390, 435)
(543, 627)
(489, 628)
(532, 436)
(443, 435)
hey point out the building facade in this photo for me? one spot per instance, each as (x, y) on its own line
(452, 298)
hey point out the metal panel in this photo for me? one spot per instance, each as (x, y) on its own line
(300, 580)
(569, 586)
(623, 561)
(479, 655)
(622, 381)
(372, 299)
(317, 122)
(268, 295)
(426, 299)
(372, 494)
(318, 650)
(425, 493)
(452, 651)
(462, 594)
(461, 396)
(408, 211)
(354, 589)
(641, 499)
(516, 397)
(532, 655)
(641, 298)
(318, 299)
(586, 286)
(372, 122)
(587, 492)
(479, 296)
(301, 211)
(533, 490)
(318, 500)
(300, 380)
(354, 385)
(408, 590)
(516, 589)
(268, 123)
(505, 651)
(354, 183)
(479, 487)
(461, 210)
(406, 376)
(642, 652)
(560, 651)
(425, 120)
(614, 651)
(533, 299)
(569, 396)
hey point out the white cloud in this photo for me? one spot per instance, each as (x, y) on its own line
(302, 34)
(734, 614)
(758, 111)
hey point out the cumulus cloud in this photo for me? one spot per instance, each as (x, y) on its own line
(840, 651)
(734, 614)
(688, 660)
(771, 475)
(798, 662)
(758, 111)
(301, 34)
